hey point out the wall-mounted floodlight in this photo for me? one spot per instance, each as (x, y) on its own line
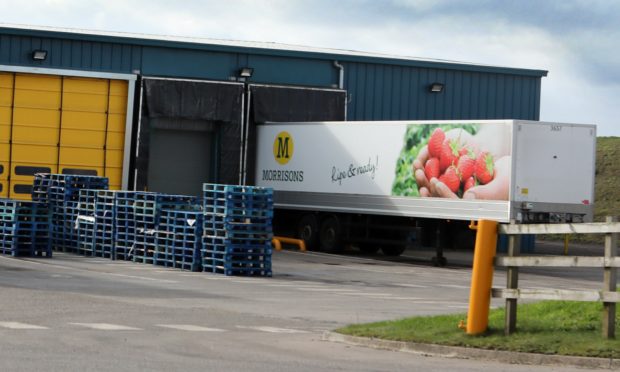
(246, 72)
(435, 88)
(39, 55)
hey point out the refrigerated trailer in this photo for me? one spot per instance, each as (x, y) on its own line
(374, 185)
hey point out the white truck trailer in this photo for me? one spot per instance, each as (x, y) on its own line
(386, 183)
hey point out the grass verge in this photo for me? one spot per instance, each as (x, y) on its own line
(546, 327)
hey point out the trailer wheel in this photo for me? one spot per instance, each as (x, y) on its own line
(330, 235)
(393, 250)
(308, 230)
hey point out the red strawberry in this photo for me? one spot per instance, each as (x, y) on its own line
(466, 166)
(435, 143)
(431, 168)
(469, 183)
(451, 179)
(485, 168)
(449, 154)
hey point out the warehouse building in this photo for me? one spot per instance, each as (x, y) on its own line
(167, 114)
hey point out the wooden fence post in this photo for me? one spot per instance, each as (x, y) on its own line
(512, 282)
(609, 284)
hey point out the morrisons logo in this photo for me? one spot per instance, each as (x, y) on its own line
(283, 148)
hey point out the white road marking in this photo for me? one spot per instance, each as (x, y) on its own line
(18, 325)
(107, 326)
(272, 329)
(367, 294)
(282, 285)
(411, 285)
(453, 286)
(144, 278)
(326, 290)
(189, 327)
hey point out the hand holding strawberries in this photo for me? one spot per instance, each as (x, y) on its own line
(451, 166)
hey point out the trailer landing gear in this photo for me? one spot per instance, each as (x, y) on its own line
(439, 260)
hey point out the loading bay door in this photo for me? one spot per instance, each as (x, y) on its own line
(189, 133)
(60, 124)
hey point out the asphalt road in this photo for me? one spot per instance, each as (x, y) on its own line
(73, 313)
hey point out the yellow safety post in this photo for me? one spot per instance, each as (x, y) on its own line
(278, 240)
(482, 276)
(566, 244)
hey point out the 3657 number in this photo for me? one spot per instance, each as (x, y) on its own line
(556, 128)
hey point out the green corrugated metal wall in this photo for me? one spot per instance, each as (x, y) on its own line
(379, 88)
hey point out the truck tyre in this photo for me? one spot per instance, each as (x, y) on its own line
(308, 230)
(393, 250)
(330, 235)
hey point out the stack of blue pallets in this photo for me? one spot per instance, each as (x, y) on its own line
(147, 212)
(24, 228)
(124, 225)
(237, 230)
(40, 187)
(85, 221)
(105, 208)
(61, 192)
(179, 239)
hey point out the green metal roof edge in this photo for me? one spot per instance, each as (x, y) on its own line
(344, 56)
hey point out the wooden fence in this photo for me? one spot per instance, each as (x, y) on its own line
(609, 263)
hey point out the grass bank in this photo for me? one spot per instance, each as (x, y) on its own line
(547, 327)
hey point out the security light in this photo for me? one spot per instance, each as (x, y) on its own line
(246, 72)
(39, 55)
(435, 88)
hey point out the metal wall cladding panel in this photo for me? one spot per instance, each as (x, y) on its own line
(115, 141)
(70, 54)
(188, 63)
(6, 89)
(85, 85)
(389, 92)
(116, 123)
(81, 157)
(6, 97)
(293, 71)
(6, 80)
(5, 131)
(4, 189)
(28, 135)
(26, 98)
(82, 138)
(36, 118)
(5, 152)
(31, 153)
(115, 176)
(114, 158)
(48, 83)
(84, 102)
(81, 120)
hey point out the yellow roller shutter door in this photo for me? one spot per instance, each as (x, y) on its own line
(60, 124)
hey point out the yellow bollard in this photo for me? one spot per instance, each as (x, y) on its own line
(278, 240)
(482, 277)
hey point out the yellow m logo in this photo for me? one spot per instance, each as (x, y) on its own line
(283, 147)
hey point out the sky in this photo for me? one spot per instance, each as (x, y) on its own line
(575, 40)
